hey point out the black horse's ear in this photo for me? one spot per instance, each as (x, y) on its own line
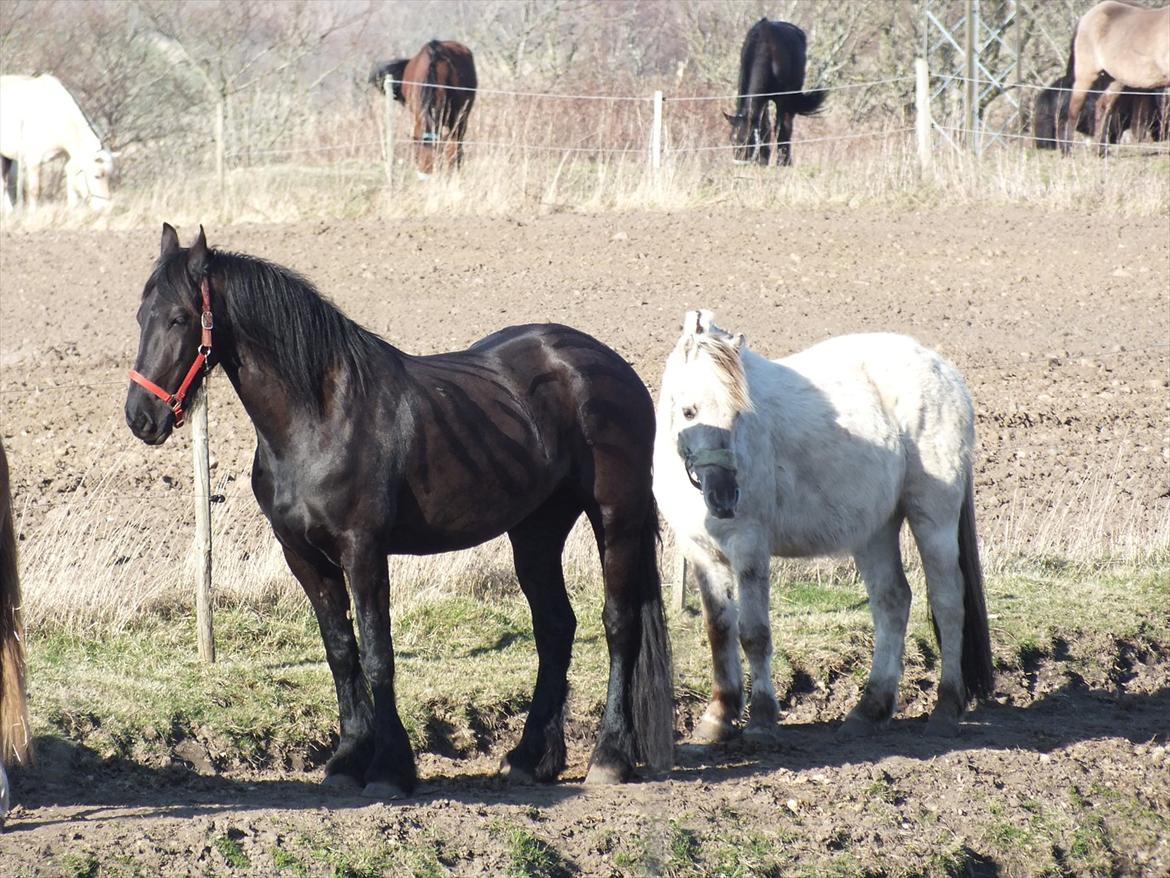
(730, 117)
(170, 240)
(197, 256)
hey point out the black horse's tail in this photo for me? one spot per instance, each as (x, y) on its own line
(978, 673)
(14, 729)
(653, 683)
(431, 99)
(807, 103)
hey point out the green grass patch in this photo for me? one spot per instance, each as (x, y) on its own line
(532, 857)
(465, 665)
(231, 851)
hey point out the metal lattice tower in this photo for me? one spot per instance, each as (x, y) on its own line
(973, 48)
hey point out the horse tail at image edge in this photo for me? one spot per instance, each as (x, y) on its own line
(14, 727)
(653, 681)
(978, 672)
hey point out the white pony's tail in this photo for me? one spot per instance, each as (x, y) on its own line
(978, 673)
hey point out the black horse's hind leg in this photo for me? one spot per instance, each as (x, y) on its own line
(537, 544)
(391, 771)
(621, 564)
(325, 587)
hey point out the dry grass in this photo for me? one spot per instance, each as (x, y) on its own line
(516, 165)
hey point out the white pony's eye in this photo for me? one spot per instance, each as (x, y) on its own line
(689, 412)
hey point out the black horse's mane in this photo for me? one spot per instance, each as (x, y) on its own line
(429, 97)
(296, 330)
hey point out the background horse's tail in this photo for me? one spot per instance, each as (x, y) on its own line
(14, 731)
(978, 674)
(653, 683)
(430, 100)
(807, 103)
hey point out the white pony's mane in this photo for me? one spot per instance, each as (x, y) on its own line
(722, 350)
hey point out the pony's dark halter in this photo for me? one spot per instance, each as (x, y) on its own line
(175, 400)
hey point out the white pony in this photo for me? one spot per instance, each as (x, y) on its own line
(39, 121)
(826, 451)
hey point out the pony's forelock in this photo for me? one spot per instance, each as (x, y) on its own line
(723, 353)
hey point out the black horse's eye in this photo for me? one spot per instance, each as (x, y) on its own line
(689, 412)
(181, 320)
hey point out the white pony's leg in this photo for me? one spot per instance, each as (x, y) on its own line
(720, 613)
(32, 186)
(937, 537)
(755, 635)
(880, 565)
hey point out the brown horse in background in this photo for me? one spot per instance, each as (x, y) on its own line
(14, 732)
(1130, 43)
(438, 87)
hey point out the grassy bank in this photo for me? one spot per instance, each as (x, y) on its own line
(466, 663)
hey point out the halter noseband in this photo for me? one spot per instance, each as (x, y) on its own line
(175, 400)
(720, 457)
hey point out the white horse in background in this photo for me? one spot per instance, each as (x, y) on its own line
(825, 451)
(39, 121)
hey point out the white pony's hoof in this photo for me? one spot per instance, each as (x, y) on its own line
(763, 734)
(942, 726)
(606, 775)
(858, 726)
(712, 730)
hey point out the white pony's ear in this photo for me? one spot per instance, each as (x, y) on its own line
(739, 341)
(692, 323)
(706, 320)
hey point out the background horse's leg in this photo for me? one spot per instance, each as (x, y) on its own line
(1105, 105)
(537, 544)
(784, 136)
(391, 772)
(880, 563)
(755, 635)
(325, 586)
(721, 615)
(937, 536)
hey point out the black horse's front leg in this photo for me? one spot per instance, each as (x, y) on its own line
(391, 771)
(325, 587)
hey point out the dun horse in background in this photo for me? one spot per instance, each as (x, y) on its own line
(39, 121)
(14, 731)
(829, 450)
(771, 71)
(1142, 112)
(1129, 43)
(438, 87)
(363, 450)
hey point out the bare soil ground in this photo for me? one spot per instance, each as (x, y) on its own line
(1061, 324)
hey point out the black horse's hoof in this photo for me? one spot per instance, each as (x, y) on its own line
(384, 791)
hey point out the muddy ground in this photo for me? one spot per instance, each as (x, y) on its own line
(1061, 324)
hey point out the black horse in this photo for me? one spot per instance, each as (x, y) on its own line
(771, 70)
(363, 450)
(1142, 111)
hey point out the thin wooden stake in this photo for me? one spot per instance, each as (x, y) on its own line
(201, 458)
(679, 586)
(656, 136)
(922, 112)
(388, 84)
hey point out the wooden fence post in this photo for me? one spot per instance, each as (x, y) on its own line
(922, 112)
(971, 71)
(199, 453)
(388, 85)
(679, 586)
(656, 136)
(220, 174)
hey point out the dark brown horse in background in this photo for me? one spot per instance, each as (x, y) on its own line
(1130, 43)
(438, 87)
(771, 70)
(1144, 112)
(14, 733)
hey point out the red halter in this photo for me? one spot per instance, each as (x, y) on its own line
(175, 400)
